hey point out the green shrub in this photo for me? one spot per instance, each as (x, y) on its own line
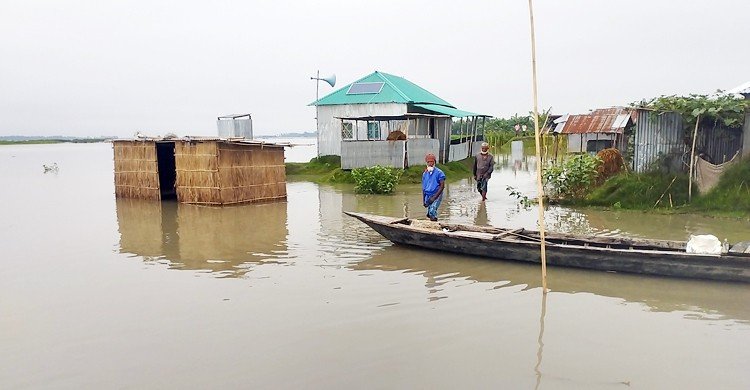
(375, 180)
(574, 178)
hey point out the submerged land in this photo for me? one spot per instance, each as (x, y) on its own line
(654, 192)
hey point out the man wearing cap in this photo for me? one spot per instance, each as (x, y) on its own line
(484, 164)
(433, 183)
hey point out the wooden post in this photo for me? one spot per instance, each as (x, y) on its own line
(461, 129)
(484, 132)
(447, 139)
(692, 159)
(540, 188)
(546, 152)
(557, 145)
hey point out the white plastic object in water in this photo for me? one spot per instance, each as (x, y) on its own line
(706, 244)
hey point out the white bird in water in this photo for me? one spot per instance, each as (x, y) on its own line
(50, 168)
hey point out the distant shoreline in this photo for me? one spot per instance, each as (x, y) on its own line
(41, 141)
(16, 140)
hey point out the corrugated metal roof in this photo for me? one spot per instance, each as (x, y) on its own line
(744, 89)
(447, 110)
(395, 90)
(607, 120)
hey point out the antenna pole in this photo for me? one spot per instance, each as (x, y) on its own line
(317, 131)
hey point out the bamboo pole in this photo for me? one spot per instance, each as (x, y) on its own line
(665, 192)
(692, 159)
(540, 189)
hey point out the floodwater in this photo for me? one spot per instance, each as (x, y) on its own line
(98, 292)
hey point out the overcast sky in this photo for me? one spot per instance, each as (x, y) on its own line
(90, 68)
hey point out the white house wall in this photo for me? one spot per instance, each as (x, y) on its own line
(329, 124)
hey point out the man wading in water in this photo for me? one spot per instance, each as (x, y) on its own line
(433, 182)
(484, 164)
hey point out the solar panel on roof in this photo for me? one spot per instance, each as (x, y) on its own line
(364, 88)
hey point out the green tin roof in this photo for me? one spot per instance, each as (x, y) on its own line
(447, 110)
(395, 90)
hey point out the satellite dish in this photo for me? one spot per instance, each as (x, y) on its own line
(331, 80)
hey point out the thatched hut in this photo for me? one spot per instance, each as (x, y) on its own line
(207, 171)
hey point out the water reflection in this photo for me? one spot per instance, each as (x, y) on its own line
(697, 299)
(540, 342)
(217, 239)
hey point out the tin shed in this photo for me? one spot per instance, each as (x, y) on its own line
(597, 130)
(199, 170)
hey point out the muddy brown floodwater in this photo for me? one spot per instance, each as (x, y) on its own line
(98, 292)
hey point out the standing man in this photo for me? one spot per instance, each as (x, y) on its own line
(484, 164)
(433, 183)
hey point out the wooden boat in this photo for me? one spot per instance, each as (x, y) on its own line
(632, 255)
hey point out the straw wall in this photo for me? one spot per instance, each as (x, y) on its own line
(136, 170)
(208, 172)
(251, 173)
(197, 172)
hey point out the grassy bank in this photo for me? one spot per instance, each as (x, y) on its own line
(327, 169)
(731, 196)
(669, 193)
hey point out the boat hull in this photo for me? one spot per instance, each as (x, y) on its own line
(670, 263)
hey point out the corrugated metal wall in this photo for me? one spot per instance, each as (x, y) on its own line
(418, 149)
(458, 152)
(659, 140)
(746, 136)
(719, 143)
(359, 154)
(239, 127)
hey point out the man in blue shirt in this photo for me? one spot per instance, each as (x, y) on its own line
(433, 183)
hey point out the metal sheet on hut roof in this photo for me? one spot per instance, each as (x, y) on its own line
(199, 138)
(607, 120)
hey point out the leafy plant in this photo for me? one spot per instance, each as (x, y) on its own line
(523, 200)
(376, 180)
(724, 109)
(573, 178)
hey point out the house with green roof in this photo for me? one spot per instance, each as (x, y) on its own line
(382, 119)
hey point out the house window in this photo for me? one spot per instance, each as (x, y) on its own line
(373, 130)
(594, 146)
(347, 131)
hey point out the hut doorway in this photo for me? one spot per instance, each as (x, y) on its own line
(167, 169)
